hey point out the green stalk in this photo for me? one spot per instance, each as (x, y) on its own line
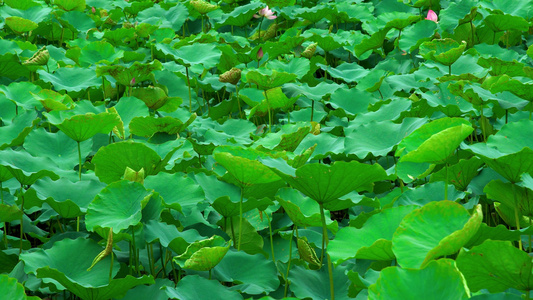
(134, 247)
(269, 112)
(240, 220)
(79, 159)
(271, 239)
(446, 183)
(111, 268)
(287, 283)
(516, 216)
(162, 260)
(325, 238)
(21, 219)
(189, 84)
(232, 231)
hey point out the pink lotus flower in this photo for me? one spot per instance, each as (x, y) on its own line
(132, 82)
(265, 12)
(260, 54)
(432, 16)
(93, 10)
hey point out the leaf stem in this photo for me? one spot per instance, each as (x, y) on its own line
(287, 283)
(271, 239)
(240, 220)
(79, 159)
(189, 84)
(326, 240)
(446, 183)
(516, 216)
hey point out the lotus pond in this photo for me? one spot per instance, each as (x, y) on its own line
(273, 149)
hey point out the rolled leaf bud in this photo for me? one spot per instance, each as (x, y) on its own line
(310, 50)
(40, 58)
(232, 76)
(203, 7)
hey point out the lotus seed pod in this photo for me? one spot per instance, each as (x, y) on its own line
(270, 32)
(232, 76)
(40, 58)
(309, 51)
(203, 7)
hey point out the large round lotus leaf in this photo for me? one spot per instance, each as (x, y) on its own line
(496, 266)
(228, 208)
(118, 206)
(14, 134)
(207, 55)
(373, 241)
(11, 288)
(111, 161)
(325, 183)
(115, 289)
(72, 258)
(303, 211)
(203, 255)
(437, 229)
(511, 197)
(27, 168)
(178, 191)
(169, 236)
(242, 164)
(312, 284)
(268, 79)
(362, 139)
(438, 280)
(148, 126)
(69, 5)
(240, 16)
(71, 79)
(9, 213)
(373, 42)
(312, 14)
(506, 22)
(423, 194)
(153, 97)
(194, 287)
(253, 274)
(99, 52)
(64, 196)
(83, 127)
(513, 137)
(435, 141)
(460, 174)
(413, 36)
(52, 100)
(20, 25)
(58, 146)
(510, 166)
(124, 75)
(445, 51)
(287, 139)
(21, 93)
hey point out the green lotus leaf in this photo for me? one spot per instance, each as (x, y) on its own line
(206, 55)
(317, 93)
(456, 14)
(307, 283)
(111, 161)
(412, 37)
(11, 288)
(252, 241)
(99, 52)
(77, 21)
(123, 75)
(71, 258)
(513, 137)
(438, 280)
(435, 141)
(427, 193)
(361, 140)
(20, 25)
(303, 211)
(372, 241)
(129, 108)
(109, 210)
(64, 197)
(84, 127)
(166, 185)
(506, 22)
(228, 208)
(445, 51)
(276, 100)
(169, 236)
(21, 93)
(194, 287)
(496, 266)
(69, 5)
(349, 72)
(253, 274)
(22, 5)
(203, 255)
(312, 14)
(27, 168)
(325, 39)
(498, 233)
(153, 97)
(299, 66)
(148, 126)
(15, 133)
(498, 66)
(438, 228)
(9, 213)
(52, 100)
(373, 42)
(71, 79)
(397, 20)
(326, 183)
(503, 82)
(241, 163)
(240, 16)
(511, 198)
(173, 17)
(268, 79)
(460, 174)
(287, 139)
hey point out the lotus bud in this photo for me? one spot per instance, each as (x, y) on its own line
(135, 176)
(260, 54)
(93, 10)
(309, 51)
(203, 7)
(432, 16)
(232, 76)
(132, 82)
